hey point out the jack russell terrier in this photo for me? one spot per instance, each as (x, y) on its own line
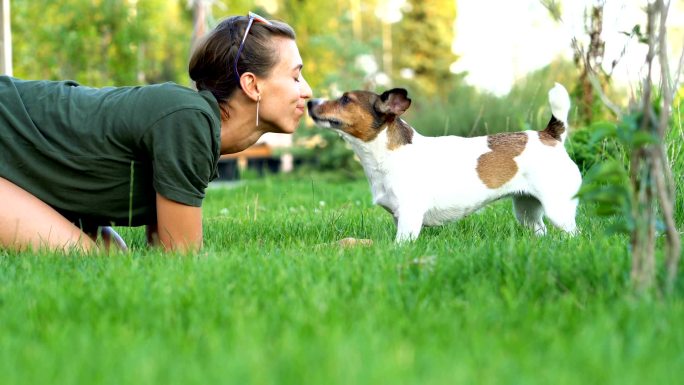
(429, 181)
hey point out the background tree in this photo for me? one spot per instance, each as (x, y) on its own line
(422, 43)
(101, 42)
(589, 59)
(327, 44)
(644, 194)
(650, 172)
(5, 38)
(589, 52)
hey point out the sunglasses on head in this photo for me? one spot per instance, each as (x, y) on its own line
(252, 18)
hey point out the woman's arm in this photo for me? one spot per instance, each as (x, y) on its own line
(179, 226)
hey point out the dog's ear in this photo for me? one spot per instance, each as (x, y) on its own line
(393, 102)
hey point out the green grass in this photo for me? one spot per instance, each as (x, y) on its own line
(270, 301)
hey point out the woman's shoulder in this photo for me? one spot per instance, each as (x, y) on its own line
(169, 92)
(170, 87)
(173, 97)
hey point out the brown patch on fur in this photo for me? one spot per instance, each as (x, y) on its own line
(554, 129)
(363, 126)
(547, 139)
(498, 166)
(398, 134)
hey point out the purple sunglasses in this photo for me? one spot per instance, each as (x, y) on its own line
(252, 17)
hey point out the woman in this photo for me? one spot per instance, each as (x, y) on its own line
(75, 159)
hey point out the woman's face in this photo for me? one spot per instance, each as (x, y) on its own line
(284, 92)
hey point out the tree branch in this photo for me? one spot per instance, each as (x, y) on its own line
(614, 108)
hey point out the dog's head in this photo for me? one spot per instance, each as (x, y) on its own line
(363, 114)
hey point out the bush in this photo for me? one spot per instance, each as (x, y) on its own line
(587, 152)
(324, 150)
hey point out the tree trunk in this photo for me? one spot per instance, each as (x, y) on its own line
(590, 62)
(650, 172)
(199, 21)
(5, 39)
(643, 235)
(665, 184)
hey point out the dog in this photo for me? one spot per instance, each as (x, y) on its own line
(429, 181)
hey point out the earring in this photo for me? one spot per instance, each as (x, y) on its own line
(257, 114)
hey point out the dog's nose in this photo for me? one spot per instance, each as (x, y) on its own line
(314, 102)
(311, 104)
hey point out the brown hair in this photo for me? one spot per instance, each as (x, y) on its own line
(212, 63)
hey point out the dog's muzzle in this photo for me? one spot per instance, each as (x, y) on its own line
(321, 121)
(311, 104)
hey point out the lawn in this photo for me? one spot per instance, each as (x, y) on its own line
(273, 299)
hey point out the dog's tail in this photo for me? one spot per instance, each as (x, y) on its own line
(560, 106)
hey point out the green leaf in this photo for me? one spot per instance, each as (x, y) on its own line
(641, 138)
(610, 170)
(624, 227)
(602, 130)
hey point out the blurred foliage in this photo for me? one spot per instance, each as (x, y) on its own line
(588, 151)
(675, 153)
(466, 111)
(101, 42)
(426, 52)
(126, 42)
(607, 181)
(334, 52)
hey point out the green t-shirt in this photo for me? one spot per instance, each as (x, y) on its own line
(99, 155)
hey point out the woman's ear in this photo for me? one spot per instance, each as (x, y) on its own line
(250, 85)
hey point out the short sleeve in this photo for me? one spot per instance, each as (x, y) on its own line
(184, 155)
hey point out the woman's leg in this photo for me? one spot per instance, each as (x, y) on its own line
(28, 222)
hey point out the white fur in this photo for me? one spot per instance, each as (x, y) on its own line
(560, 105)
(434, 180)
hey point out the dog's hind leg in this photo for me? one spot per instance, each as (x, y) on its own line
(529, 212)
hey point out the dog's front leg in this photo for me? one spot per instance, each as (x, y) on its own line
(409, 224)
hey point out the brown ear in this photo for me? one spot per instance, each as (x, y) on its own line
(393, 102)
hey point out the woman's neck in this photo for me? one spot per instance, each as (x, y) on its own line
(238, 126)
